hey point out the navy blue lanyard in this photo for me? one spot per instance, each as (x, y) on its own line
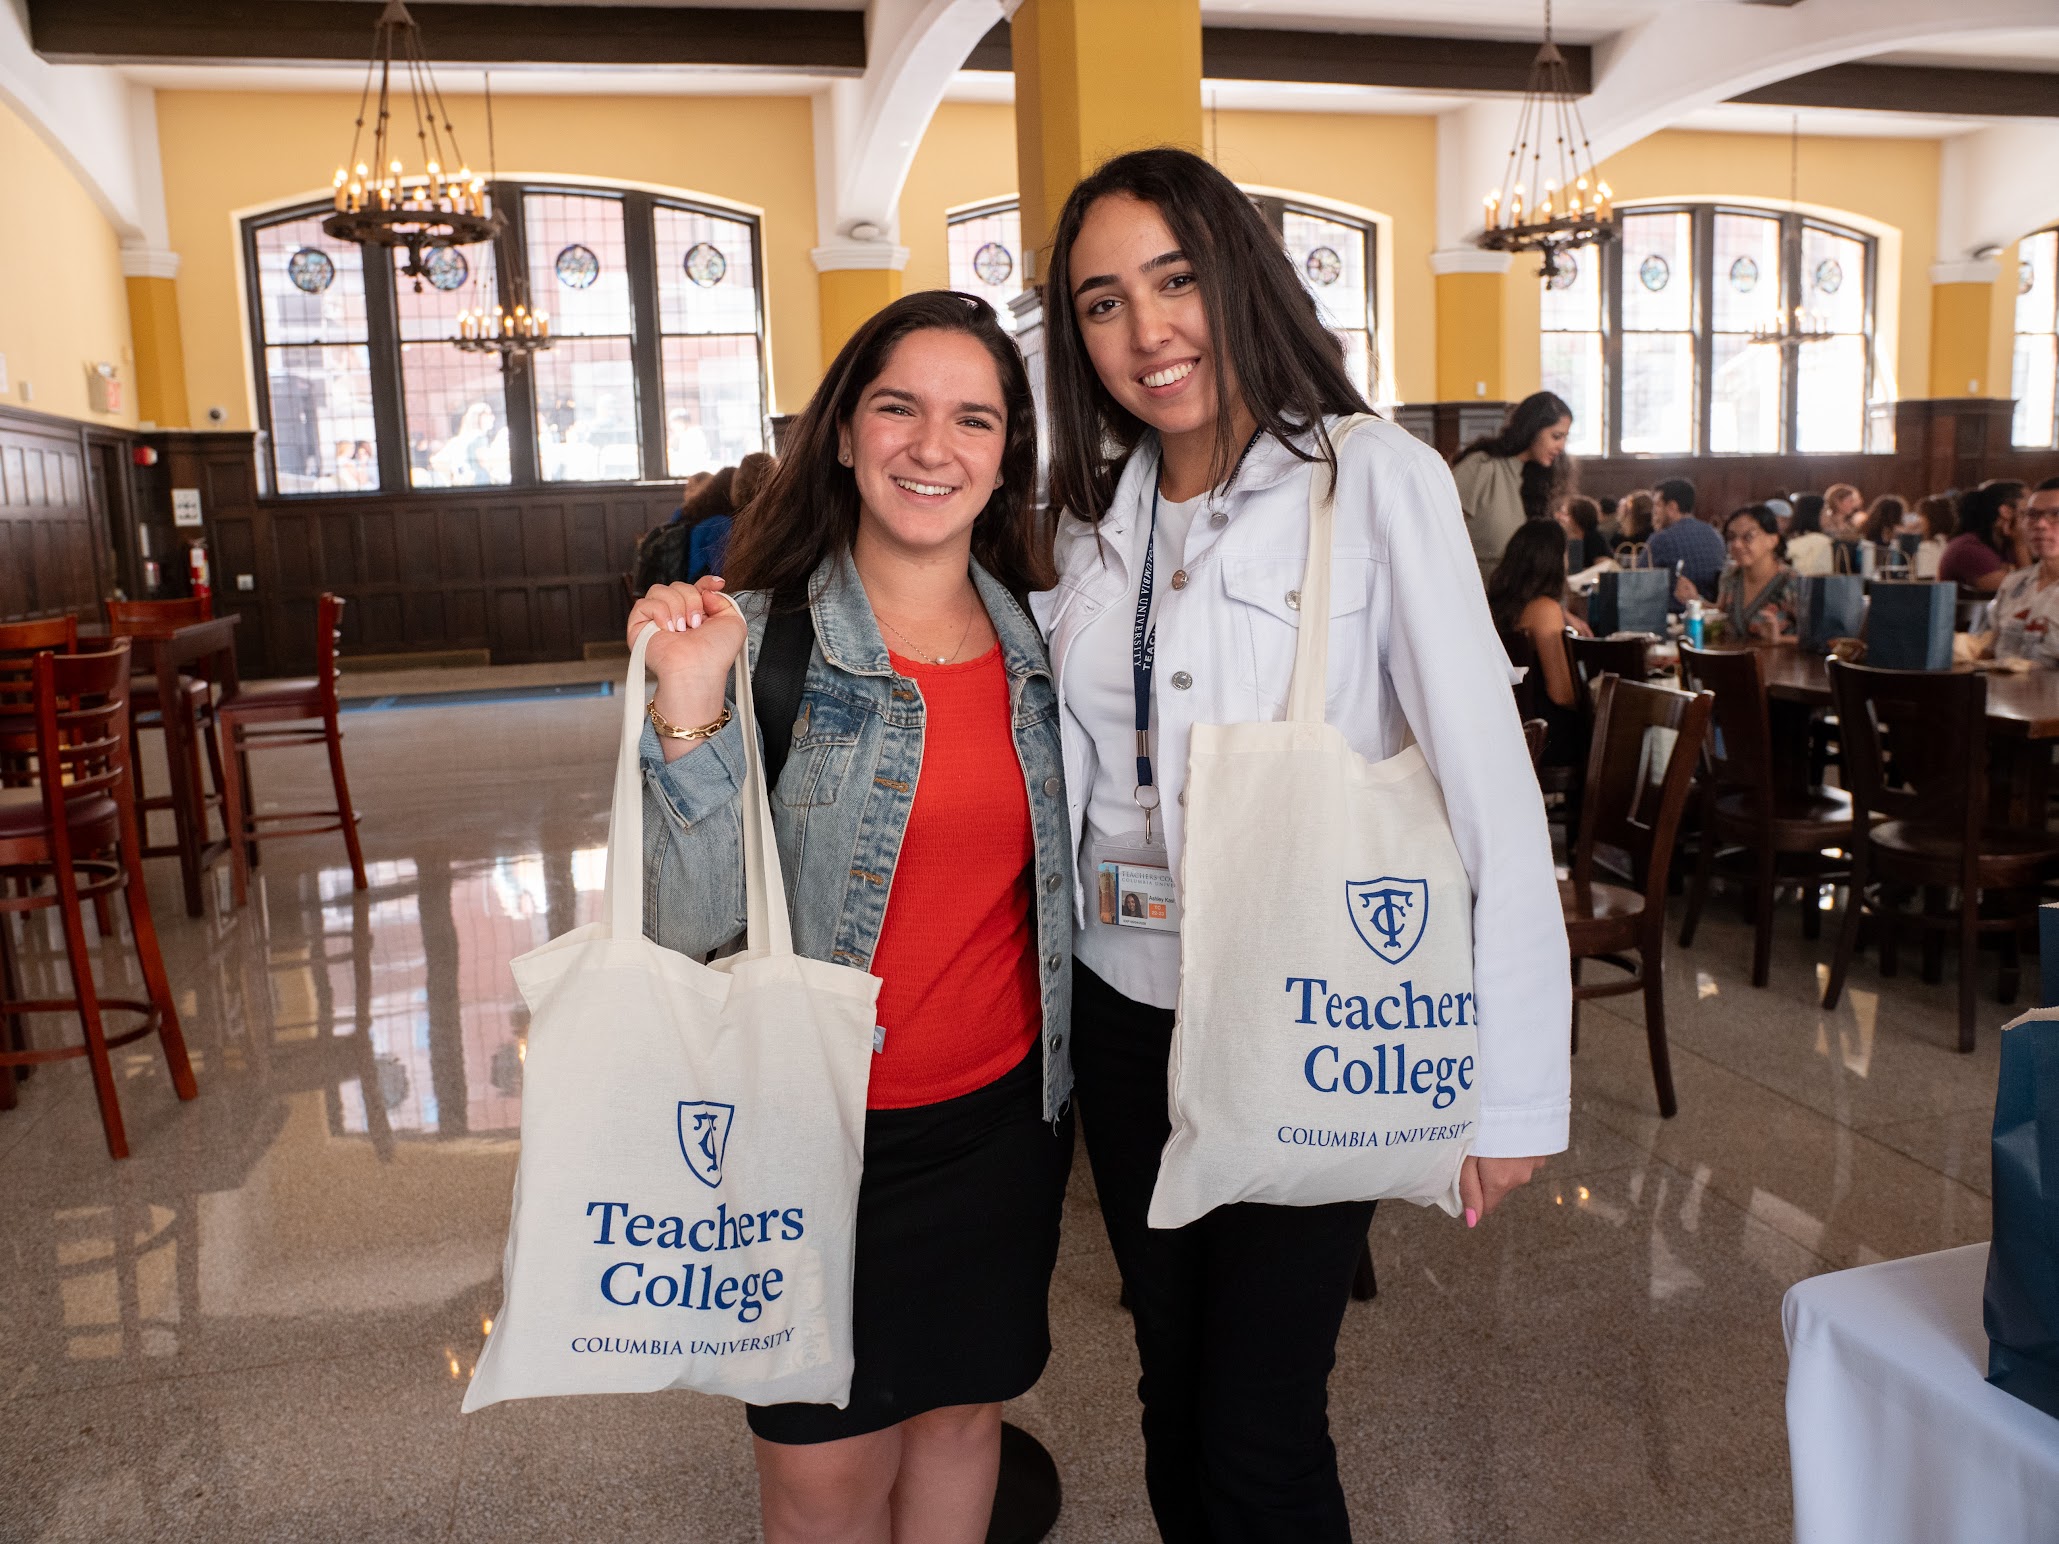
(1143, 650)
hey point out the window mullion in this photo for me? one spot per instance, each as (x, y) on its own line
(382, 336)
(1612, 344)
(1790, 358)
(646, 349)
(1703, 245)
(511, 263)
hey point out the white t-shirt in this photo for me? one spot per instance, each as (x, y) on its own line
(2025, 617)
(1141, 964)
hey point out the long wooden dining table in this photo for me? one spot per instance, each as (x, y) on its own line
(2023, 705)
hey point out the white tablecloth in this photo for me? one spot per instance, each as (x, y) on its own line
(1893, 1431)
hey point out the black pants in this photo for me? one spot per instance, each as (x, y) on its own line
(1236, 1314)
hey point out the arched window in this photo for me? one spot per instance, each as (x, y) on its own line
(1650, 342)
(1333, 253)
(2034, 378)
(657, 370)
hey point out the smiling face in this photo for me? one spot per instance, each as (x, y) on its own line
(925, 442)
(1750, 544)
(1140, 314)
(1550, 443)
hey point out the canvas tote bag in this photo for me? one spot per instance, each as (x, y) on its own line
(1324, 1048)
(692, 1140)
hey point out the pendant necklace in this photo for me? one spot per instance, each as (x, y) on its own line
(941, 659)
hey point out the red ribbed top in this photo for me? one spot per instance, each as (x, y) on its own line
(957, 955)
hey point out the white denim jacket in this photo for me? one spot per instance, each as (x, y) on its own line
(1411, 647)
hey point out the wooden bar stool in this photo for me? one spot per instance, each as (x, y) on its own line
(20, 641)
(288, 705)
(78, 827)
(130, 618)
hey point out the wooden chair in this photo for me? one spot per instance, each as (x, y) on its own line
(78, 826)
(1640, 770)
(1744, 812)
(1593, 658)
(19, 642)
(284, 709)
(1535, 732)
(140, 618)
(1916, 758)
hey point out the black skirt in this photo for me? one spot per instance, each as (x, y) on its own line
(957, 1237)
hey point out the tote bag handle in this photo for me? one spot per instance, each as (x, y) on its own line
(1305, 695)
(768, 930)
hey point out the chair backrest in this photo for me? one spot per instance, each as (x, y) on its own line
(1739, 749)
(136, 617)
(1593, 658)
(1640, 768)
(1914, 744)
(1535, 732)
(328, 635)
(57, 633)
(81, 732)
(1522, 655)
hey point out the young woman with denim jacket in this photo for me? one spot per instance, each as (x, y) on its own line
(1192, 393)
(922, 828)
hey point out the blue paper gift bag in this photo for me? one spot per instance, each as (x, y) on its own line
(2021, 1305)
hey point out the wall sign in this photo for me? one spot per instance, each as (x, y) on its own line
(186, 506)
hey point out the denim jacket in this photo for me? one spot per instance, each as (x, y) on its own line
(842, 803)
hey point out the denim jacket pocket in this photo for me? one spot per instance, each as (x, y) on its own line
(825, 739)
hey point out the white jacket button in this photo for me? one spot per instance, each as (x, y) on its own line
(1218, 518)
(1179, 580)
(1181, 680)
(1294, 600)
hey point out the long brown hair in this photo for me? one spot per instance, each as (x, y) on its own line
(1262, 324)
(809, 508)
(1543, 486)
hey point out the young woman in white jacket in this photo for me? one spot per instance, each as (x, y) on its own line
(1192, 389)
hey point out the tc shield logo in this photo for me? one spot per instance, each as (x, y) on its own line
(1389, 914)
(704, 1137)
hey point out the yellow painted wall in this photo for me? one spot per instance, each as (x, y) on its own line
(63, 304)
(228, 153)
(1385, 165)
(1889, 181)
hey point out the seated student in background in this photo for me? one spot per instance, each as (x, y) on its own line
(1757, 593)
(1525, 596)
(1980, 557)
(1581, 518)
(1843, 507)
(1933, 520)
(1883, 522)
(1611, 525)
(1809, 550)
(1633, 519)
(2025, 618)
(1684, 542)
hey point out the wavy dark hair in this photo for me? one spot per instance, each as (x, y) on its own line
(1262, 322)
(1532, 564)
(1543, 486)
(1808, 515)
(808, 509)
(1763, 517)
(1884, 519)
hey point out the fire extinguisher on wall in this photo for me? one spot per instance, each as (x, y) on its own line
(197, 571)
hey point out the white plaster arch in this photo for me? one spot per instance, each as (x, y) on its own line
(1996, 186)
(868, 130)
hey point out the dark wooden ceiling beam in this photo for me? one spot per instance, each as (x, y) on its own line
(340, 31)
(1917, 88)
(1471, 65)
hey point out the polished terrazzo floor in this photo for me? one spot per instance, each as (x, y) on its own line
(258, 1327)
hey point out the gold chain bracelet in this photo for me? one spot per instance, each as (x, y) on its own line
(672, 731)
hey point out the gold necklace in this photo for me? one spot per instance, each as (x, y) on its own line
(940, 659)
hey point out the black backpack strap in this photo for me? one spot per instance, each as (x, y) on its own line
(777, 679)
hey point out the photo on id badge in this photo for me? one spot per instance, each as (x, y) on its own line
(1133, 888)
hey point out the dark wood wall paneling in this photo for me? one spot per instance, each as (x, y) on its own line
(57, 552)
(525, 574)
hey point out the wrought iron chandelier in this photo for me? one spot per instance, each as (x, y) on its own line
(380, 204)
(1550, 200)
(1790, 327)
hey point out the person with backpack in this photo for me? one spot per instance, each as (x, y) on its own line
(921, 822)
(690, 545)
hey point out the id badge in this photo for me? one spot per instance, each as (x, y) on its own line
(1133, 886)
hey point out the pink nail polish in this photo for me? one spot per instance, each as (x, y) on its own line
(694, 620)
(1472, 1218)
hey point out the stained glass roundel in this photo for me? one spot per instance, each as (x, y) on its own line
(705, 264)
(1744, 276)
(1829, 276)
(1324, 265)
(577, 267)
(311, 270)
(1654, 273)
(447, 267)
(993, 263)
(1565, 274)
(2026, 278)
